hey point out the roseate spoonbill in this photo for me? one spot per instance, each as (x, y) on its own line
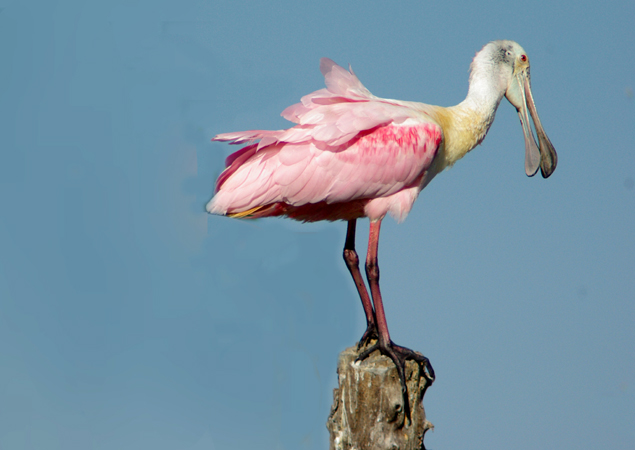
(354, 155)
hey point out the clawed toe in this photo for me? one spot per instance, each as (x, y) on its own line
(424, 362)
(399, 355)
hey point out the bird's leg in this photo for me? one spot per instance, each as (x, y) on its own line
(352, 262)
(398, 354)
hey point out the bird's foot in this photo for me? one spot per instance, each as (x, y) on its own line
(369, 335)
(399, 356)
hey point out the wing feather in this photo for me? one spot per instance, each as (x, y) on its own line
(348, 145)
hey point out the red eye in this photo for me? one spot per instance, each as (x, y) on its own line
(523, 58)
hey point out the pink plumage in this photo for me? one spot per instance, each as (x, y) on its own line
(350, 155)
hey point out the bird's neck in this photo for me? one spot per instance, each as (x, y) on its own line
(466, 124)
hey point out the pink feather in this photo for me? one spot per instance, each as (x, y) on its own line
(348, 148)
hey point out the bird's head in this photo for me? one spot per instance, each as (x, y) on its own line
(519, 94)
(505, 67)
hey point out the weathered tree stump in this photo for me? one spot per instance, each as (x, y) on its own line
(368, 410)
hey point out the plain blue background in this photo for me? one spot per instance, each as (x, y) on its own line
(130, 319)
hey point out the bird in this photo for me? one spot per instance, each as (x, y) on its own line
(352, 155)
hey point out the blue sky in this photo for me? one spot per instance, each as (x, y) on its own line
(130, 319)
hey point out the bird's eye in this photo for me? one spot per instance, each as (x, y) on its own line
(523, 58)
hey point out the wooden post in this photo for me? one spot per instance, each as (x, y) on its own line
(367, 411)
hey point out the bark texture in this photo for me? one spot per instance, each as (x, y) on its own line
(368, 410)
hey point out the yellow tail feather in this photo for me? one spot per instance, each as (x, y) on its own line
(243, 214)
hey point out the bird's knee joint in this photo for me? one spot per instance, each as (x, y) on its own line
(372, 271)
(351, 258)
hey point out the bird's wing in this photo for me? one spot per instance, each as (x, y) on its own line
(347, 145)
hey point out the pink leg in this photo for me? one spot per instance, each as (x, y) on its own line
(352, 262)
(398, 354)
(372, 273)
